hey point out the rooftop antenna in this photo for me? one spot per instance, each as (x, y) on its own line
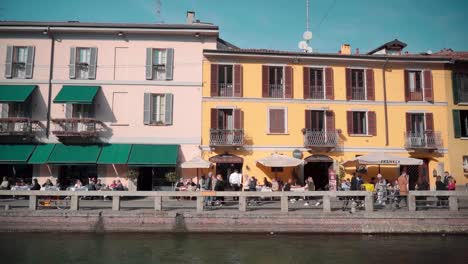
(307, 35)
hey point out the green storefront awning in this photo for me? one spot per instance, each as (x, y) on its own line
(153, 155)
(114, 154)
(76, 94)
(15, 153)
(74, 154)
(41, 154)
(15, 93)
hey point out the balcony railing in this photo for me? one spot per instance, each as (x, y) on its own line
(276, 91)
(358, 93)
(18, 126)
(415, 96)
(316, 92)
(321, 138)
(225, 89)
(426, 140)
(76, 127)
(226, 137)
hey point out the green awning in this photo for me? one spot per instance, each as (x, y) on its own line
(15, 93)
(153, 155)
(41, 154)
(71, 94)
(115, 154)
(15, 153)
(74, 154)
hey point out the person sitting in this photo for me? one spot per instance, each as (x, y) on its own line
(287, 186)
(113, 185)
(5, 184)
(35, 186)
(275, 185)
(78, 184)
(91, 185)
(119, 186)
(48, 183)
(266, 183)
(99, 185)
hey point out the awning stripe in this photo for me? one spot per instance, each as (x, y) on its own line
(76, 94)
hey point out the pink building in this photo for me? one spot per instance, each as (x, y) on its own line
(84, 100)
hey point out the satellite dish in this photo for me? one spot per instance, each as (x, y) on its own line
(307, 35)
(303, 45)
(309, 49)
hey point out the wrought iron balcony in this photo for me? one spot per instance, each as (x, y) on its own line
(18, 126)
(325, 139)
(426, 140)
(276, 91)
(225, 89)
(227, 137)
(77, 127)
(358, 93)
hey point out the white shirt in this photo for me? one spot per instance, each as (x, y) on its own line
(235, 178)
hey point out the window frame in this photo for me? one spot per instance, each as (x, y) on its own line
(81, 67)
(19, 66)
(162, 102)
(225, 66)
(421, 73)
(463, 126)
(366, 113)
(285, 112)
(364, 83)
(160, 67)
(316, 68)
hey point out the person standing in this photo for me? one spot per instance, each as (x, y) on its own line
(235, 181)
(310, 186)
(219, 187)
(440, 186)
(446, 178)
(403, 187)
(381, 188)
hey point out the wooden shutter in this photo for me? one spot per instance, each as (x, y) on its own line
(169, 64)
(168, 114)
(92, 63)
(238, 119)
(288, 82)
(9, 62)
(407, 89)
(372, 123)
(214, 118)
(149, 64)
(277, 121)
(329, 93)
(4, 110)
(306, 82)
(147, 109)
(429, 122)
(30, 63)
(428, 90)
(408, 122)
(457, 123)
(370, 84)
(330, 120)
(308, 119)
(349, 95)
(68, 110)
(238, 79)
(349, 120)
(72, 66)
(455, 87)
(214, 80)
(265, 80)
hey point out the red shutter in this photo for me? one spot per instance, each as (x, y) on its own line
(306, 72)
(277, 121)
(428, 91)
(408, 122)
(288, 82)
(281, 121)
(265, 80)
(370, 84)
(349, 119)
(238, 119)
(214, 118)
(308, 119)
(329, 93)
(407, 91)
(372, 123)
(214, 79)
(348, 84)
(238, 80)
(330, 120)
(429, 122)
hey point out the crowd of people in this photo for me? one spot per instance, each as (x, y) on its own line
(93, 185)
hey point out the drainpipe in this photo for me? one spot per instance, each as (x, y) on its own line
(51, 75)
(385, 102)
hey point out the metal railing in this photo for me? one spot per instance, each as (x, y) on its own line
(276, 91)
(226, 137)
(83, 127)
(358, 93)
(18, 126)
(415, 96)
(321, 138)
(316, 92)
(425, 140)
(225, 89)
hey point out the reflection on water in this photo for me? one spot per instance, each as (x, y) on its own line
(229, 248)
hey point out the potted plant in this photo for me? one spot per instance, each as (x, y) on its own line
(172, 177)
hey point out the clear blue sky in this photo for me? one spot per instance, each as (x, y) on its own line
(278, 24)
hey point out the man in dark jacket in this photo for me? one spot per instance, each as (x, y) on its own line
(354, 183)
(440, 186)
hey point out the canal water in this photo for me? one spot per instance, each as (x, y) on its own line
(230, 248)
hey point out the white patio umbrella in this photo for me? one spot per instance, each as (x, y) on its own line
(277, 160)
(382, 158)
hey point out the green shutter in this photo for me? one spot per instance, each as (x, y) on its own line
(456, 123)
(455, 86)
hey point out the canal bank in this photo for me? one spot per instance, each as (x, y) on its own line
(102, 221)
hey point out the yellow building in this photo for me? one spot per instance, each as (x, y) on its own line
(325, 109)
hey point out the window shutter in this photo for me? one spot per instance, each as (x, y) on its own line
(372, 123)
(348, 84)
(169, 64)
(429, 122)
(149, 64)
(408, 122)
(456, 123)
(455, 87)
(277, 121)
(9, 62)
(147, 109)
(288, 82)
(237, 119)
(407, 90)
(306, 82)
(349, 119)
(308, 119)
(68, 110)
(428, 90)
(5, 107)
(265, 80)
(214, 80)
(330, 120)
(92, 64)
(329, 93)
(72, 65)
(214, 118)
(169, 108)
(30, 62)
(238, 79)
(370, 85)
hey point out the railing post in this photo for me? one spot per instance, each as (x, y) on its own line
(369, 202)
(115, 203)
(32, 202)
(411, 202)
(200, 203)
(326, 204)
(242, 203)
(453, 203)
(284, 203)
(74, 203)
(158, 203)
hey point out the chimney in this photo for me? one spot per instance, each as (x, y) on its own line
(190, 17)
(357, 50)
(345, 49)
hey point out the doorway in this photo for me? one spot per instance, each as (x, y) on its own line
(416, 174)
(319, 173)
(153, 178)
(225, 169)
(69, 174)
